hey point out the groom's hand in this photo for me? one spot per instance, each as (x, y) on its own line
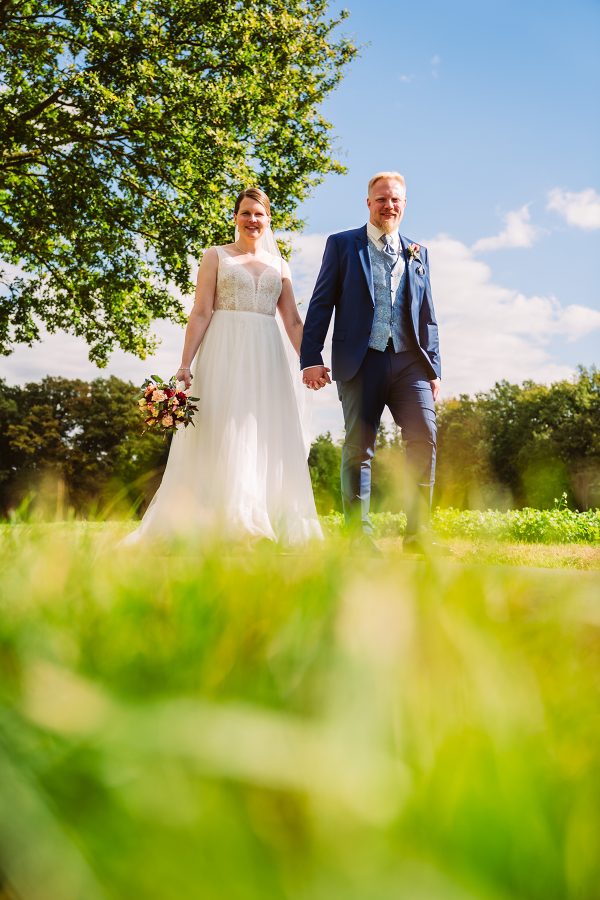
(435, 388)
(316, 377)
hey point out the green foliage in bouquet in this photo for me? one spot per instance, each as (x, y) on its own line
(164, 407)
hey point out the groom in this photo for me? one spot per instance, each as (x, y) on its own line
(385, 351)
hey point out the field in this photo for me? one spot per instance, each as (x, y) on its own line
(233, 725)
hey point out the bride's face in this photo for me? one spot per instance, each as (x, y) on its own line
(252, 218)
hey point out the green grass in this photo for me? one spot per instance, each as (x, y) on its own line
(232, 725)
(534, 526)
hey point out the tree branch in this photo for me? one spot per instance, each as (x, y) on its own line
(4, 6)
(12, 160)
(36, 18)
(41, 106)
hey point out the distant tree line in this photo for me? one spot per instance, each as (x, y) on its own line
(74, 445)
(512, 446)
(522, 445)
(77, 445)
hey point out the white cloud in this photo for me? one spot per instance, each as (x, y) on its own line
(517, 232)
(488, 333)
(324, 407)
(66, 355)
(307, 253)
(8, 272)
(406, 79)
(435, 64)
(581, 210)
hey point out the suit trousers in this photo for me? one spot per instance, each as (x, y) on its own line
(399, 381)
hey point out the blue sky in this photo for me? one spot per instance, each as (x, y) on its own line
(491, 112)
(485, 107)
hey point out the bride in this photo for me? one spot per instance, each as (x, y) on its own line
(242, 470)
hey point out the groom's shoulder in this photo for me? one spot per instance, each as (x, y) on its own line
(349, 235)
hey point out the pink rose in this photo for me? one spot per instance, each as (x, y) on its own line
(167, 421)
(158, 396)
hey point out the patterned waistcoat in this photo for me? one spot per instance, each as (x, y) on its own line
(391, 316)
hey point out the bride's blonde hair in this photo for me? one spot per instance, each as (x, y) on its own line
(252, 194)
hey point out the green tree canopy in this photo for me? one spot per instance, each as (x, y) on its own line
(84, 436)
(522, 444)
(324, 465)
(127, 128)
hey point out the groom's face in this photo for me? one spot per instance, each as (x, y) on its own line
(387, 202)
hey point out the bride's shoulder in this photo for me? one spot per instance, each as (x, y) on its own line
(209, 260)
(211, 256)
(216, 249)
(286, 272)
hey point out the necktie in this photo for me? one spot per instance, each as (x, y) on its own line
(388, 249)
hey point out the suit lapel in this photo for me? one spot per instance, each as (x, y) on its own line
(365, 260)
(410, 270)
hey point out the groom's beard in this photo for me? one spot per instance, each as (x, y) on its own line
(388, 226)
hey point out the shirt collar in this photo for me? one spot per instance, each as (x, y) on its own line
(375, 234)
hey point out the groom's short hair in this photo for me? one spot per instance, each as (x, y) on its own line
(396, 176)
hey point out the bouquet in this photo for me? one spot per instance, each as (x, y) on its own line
(164, 407)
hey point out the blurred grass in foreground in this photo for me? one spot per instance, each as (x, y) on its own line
(236, 725)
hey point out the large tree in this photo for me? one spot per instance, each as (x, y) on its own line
(127, 127)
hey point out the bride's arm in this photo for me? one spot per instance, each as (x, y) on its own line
(200, 315)
(289, 311)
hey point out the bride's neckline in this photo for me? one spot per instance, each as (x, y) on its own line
(258, 255)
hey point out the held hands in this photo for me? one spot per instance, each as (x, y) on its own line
(183, 374)
(316, 377)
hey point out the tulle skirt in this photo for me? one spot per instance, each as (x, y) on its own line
(242, 470)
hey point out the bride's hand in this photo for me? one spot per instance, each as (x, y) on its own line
(184, 374)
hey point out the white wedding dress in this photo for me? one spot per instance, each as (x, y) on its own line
(242, 470)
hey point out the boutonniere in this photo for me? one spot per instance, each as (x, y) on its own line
(413, 251)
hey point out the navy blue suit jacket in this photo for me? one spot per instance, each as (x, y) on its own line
(345, 284)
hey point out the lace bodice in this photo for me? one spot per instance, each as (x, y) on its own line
(248, 284)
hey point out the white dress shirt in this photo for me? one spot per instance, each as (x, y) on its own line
(374, 234)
